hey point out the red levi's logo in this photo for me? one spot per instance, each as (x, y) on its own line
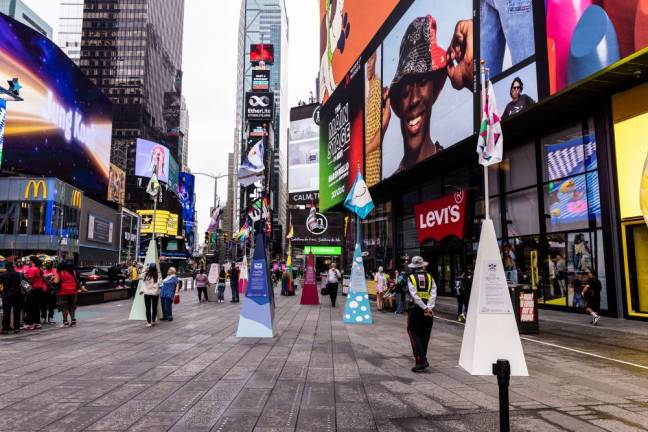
(442, 217)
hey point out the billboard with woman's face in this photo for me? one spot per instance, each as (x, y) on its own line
(152, 158)
(428, 75)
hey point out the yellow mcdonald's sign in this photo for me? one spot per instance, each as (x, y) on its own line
(76, 199)
(34, 188)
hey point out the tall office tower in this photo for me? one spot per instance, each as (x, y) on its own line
(70, 28)
(132, 50)
(184, 128)
(18, 10)
(265, 21)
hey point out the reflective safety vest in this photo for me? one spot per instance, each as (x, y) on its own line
(423, 283)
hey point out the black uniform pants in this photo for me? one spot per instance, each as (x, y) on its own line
(10, 304)
(333, 292)
(419, 329)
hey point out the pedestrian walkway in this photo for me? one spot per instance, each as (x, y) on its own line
(111, 374)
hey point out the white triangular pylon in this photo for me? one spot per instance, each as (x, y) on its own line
(491, 331)
(138, 312)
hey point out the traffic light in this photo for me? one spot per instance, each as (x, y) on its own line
(207, 236)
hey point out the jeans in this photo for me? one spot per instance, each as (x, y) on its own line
(332, 291)
(400, 302)
(151, 304)
(506, 22)
(234, 289)
(167, 308)
(462, 308)
(221, 291)
(10, 304)
(511, 276)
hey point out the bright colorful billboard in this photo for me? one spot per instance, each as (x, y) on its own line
(585, 36)
(150, 158)
(346, 28)
(117, 185)
(63, 128)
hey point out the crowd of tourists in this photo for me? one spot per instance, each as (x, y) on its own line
(33, 289)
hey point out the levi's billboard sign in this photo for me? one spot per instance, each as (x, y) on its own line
(442, 217)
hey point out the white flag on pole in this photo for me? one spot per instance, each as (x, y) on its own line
(491, 141)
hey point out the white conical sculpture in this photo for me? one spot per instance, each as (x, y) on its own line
(137, 311)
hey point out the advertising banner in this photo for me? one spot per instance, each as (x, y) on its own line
(430, 95)
(303, 154)
(262, 53)
(259, 106)
(341, 140)
(63, 128)
(100, 230)
(166, 223)
(260, 79)
(303, 198)
(586, 36)
(320, 229)
(3, 117)
(441, 217)
(117, 185)
(152, 158)
(346, 27)
(174, 172)
(186, 186)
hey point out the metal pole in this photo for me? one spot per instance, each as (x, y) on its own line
(215, 192)
(482, 75)
(502, 369)
(155, 198)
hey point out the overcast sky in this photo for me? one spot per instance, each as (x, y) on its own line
(209, 84)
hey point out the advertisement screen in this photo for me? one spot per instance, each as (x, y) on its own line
(586, 36)
(116, 185)
(303, 155)
(63, 128)
(152, 158)
(375, 111)
(346, 28)
(260, 79)
(100, 230)
(323, 229)
(430, 96)
(261, 52)
(174, 172)
(186, 184)
(517, 91)
(341, 140)
(259, 106)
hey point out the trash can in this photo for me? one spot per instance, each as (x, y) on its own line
(525, 305)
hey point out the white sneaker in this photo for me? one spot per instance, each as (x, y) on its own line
(149, 325)
(596, 319)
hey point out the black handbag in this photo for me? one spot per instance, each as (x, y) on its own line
(324, 291)
(25, 286)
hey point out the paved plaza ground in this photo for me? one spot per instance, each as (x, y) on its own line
(193, 374)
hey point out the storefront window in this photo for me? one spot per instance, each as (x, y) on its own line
(519, 167)
(522, 213)
(8, 211)
(567, 203)
(23, 218)
(569, 152)
(38, 218)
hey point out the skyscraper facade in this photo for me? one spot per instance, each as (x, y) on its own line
(18, 10)
(265, 21)
(70, 28)
(132, 50)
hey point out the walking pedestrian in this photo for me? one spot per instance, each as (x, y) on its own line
(592, 295)
(50, 296)
(381, 287)
(222, 277)
(151, 292)
(422, 290)
(12, 299)
(400, 288)
(34, 275)
(202, 282)
(332, 281)
(234, 278)
(67, 294)
(170, 288)
(133, 279)
(459, 289)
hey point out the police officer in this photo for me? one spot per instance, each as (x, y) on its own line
(423, 292)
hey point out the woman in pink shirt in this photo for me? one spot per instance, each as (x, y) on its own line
(34, 275)
(202, 282)
(67, 293)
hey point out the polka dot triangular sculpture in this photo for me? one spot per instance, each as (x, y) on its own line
(357, 309)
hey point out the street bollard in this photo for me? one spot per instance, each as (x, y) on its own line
(502, 369)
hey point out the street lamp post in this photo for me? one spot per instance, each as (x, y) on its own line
(215, 178)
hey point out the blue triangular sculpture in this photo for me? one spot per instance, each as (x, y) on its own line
(357, 309)
(257, 313)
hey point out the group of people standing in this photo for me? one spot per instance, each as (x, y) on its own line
(31, 293)
(201, 280)
(155, 289)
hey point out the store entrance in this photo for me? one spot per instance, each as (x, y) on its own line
(446, 261)
(635, 239)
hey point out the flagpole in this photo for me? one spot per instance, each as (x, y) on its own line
(482, 75)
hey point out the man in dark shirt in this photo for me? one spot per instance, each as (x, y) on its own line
(234, 277)
(592, 295)
(12, 298)
(519, 101)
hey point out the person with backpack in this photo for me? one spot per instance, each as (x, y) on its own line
(422, 290)
(50, 296)
(151, 292)
(12, 298)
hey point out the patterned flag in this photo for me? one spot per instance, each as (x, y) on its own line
(214, 222)
(153, 186)
(359, 199)
(491, 141)
(3, 117)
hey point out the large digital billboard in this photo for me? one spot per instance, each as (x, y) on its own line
(428, 67)
(117, 185)
(586, 36)
(323, 229)
(186, 186)
(151, 158)
(346, 28)
(341, 140)
(303, 151)
(63, 128)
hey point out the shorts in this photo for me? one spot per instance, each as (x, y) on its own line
(67, 302)
(593, 302)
